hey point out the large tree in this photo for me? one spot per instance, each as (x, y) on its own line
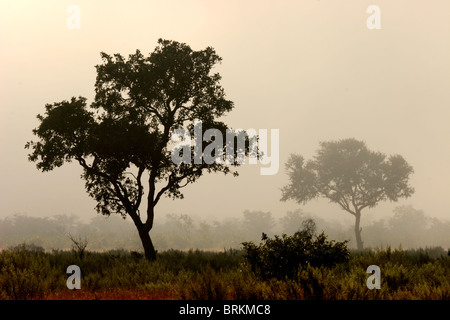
(125, 134)
(347, 173)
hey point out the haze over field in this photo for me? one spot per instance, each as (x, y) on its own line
(311, 69)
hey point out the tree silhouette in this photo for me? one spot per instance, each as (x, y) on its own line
(126, 131)
(347, 173)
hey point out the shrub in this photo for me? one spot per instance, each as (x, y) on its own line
(281, 257)
(22, 269)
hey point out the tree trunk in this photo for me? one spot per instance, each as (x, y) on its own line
(358, 229)
(149, 250)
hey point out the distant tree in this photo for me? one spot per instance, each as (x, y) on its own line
(181, 226)
(406, 218)
(347, 173)
(257, 222)
(292, 221)
(229, 232)
(409, 226)
(205, 237)
(126, 132)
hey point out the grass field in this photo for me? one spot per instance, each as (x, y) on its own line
(31, 273)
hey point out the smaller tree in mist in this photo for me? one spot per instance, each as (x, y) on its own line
(347, 173)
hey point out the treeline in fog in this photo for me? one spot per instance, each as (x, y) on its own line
(407, 227)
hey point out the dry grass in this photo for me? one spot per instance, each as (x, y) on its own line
(110, 294)
(31, 275)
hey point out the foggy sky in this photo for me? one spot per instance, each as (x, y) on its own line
(311, 69)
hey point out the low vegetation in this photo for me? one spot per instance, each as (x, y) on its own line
(29, 272)
(281, 257)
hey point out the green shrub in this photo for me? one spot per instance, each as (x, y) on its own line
(25, 273)
(281, 257)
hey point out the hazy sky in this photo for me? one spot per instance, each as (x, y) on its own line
(310, 68)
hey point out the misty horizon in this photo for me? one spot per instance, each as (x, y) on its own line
(407, 228)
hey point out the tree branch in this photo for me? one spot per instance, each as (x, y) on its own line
(118, 187)
(341, 200)
(172, 180)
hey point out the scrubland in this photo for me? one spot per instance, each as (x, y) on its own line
(29, 272)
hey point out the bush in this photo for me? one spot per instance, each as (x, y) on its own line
(24, 271)
(281, 257)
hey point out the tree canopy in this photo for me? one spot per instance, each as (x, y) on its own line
(127, 129)
(347, 173)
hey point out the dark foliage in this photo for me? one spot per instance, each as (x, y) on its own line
(126, 132)
(281, 257)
